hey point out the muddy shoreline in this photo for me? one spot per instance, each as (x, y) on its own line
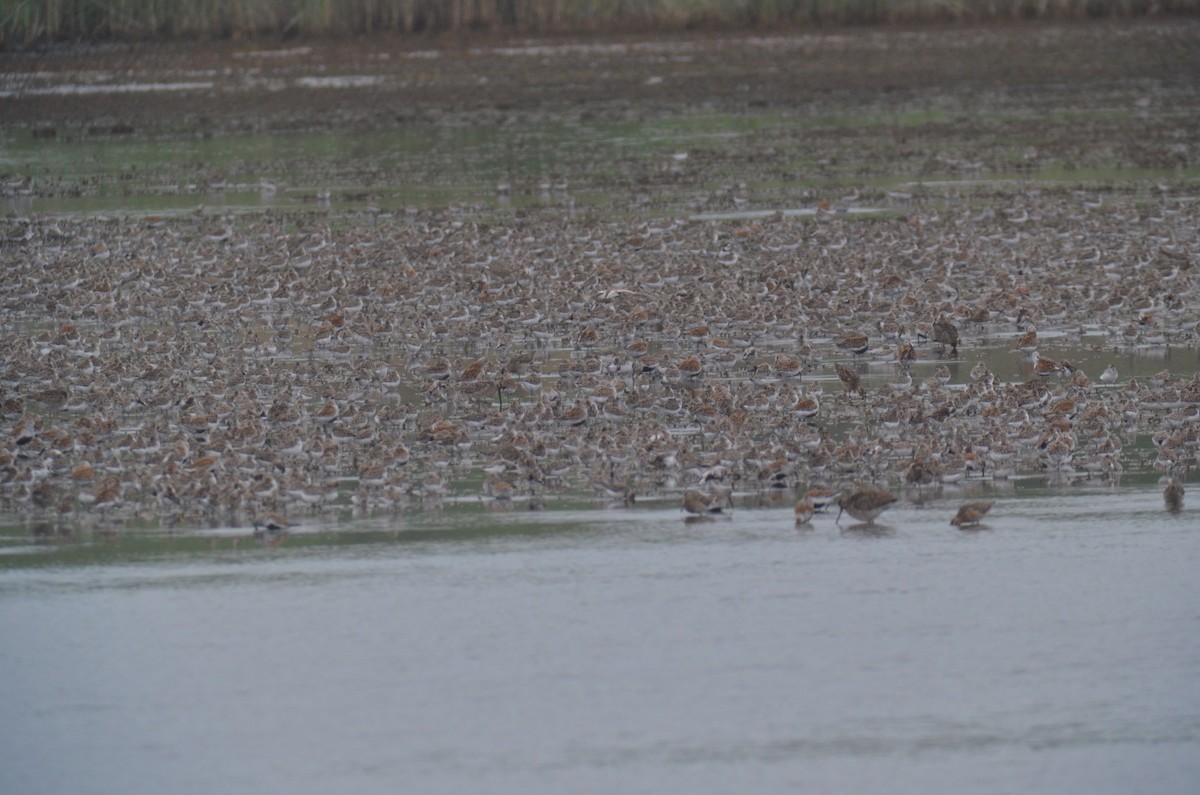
(293, 87)
(840, 110)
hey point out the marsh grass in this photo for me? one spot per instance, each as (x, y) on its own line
(28, 21)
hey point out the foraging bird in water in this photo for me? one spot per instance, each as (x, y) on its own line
(1173, 495)
(274, 523)
(945, 333)
(1028, 342)
(819, 496)
(865, 504)
(1044, 367)
(971, 514)
(849, 379)
(698, 502)
(804, 510)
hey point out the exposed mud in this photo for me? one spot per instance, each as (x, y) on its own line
(1086, 95)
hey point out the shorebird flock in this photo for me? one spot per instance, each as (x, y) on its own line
(199, 370)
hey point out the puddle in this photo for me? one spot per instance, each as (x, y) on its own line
(79, 89)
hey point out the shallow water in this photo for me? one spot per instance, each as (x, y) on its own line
(1053, 650)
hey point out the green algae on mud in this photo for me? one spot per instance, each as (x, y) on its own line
(616, 171)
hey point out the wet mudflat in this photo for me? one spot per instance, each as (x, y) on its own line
(775, 121)
(351, 394)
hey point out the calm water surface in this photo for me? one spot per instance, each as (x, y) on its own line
(1054, 651)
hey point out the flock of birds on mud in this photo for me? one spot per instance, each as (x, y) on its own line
(252, 371)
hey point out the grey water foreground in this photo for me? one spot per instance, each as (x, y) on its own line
(1051, 650)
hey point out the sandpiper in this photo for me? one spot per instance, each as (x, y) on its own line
(945, 333)
(1028, 342)
(787, 366)
(855, 343)
(1173, 495)
(820, 497)
(865, 504)
(806, 406)
(849, 378)
(697, 502)
(971, 514)
(1044, 367)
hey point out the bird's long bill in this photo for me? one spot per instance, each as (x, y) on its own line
(838, 520)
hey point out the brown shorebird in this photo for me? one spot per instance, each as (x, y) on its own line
(849, 378)
(971, 514)
(804, 510)
(1028, 342)
(855, 343)
(787, 366)
(806, 406)
(697, 502)
(1044, 367)
(820, 497)
(865, 504)
(1173, 495)
(945, 333)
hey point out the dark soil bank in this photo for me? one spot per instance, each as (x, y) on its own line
(1041, 69)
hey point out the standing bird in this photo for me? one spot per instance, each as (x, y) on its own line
(945, 333)
(849, 379)
(1028, 342)
(473, 371)
(1044, 367)
(971, 514)
(855, 343)
(697, 502)
(804, 511)
(820, 497)
(806, 406)
(577, 414)
(1110, 374)
(865, 504)
(691, 366)
(787, 367)
(1173, 495)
